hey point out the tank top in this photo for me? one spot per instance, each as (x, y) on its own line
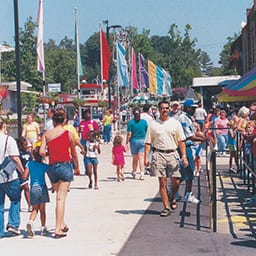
(59, 148)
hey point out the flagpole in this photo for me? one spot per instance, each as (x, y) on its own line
(77, 57)
(17, 53)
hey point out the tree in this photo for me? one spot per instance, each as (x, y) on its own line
(225, 57)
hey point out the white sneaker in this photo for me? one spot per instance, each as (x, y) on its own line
(142, 176)
(190, 198)
(30, 229)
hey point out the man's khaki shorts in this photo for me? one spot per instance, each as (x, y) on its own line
(165, 164)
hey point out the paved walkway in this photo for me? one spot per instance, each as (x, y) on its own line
(123, 219)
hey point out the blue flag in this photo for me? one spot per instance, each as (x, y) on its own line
(122, 67)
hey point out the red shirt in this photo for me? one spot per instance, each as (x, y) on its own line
(59, 148)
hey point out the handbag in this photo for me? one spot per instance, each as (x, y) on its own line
(7, 167)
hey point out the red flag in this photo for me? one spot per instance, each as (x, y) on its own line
(134, 71)
(40, 41)
(105, 56)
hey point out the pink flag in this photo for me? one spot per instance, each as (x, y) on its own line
(134, 71)
(105, 56)
(40, 41)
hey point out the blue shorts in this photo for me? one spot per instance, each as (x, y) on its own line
(91, 160)
(137, 146)
(60, 171)
(39, 194)
(187, 173)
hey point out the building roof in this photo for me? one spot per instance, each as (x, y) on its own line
(213, 81)
(11, 86)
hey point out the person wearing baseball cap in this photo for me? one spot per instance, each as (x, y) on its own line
(186, 120)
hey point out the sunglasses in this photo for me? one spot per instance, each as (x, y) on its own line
(162, 108)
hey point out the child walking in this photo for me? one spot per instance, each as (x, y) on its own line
(38, 191)
(24, 156)
(92, 150)
(118, 157)
(232, 146)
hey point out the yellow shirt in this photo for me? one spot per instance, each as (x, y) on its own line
(73, 131)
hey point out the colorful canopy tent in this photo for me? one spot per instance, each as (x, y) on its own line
(223, 97)
(243, 87)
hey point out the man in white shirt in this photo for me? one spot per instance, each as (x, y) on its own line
(10, 188)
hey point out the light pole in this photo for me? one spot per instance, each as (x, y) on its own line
(108, 82)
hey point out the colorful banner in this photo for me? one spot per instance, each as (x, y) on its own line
(105, 56)
(122, 67)
(40, 39)
(78, 55)
(135, 84)
(144, 80)
(159, 80)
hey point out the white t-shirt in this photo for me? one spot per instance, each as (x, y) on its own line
(200, 114)
(165, 135)
(11, 150)
(91, 151)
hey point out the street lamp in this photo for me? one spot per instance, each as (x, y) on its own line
(108, 82)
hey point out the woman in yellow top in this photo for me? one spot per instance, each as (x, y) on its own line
(76, 138)
(31, 130)
(107, 122)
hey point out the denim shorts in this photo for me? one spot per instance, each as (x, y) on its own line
(60, 172)
(137, 146)
(91, 160)
(39, 194)
(187, 173)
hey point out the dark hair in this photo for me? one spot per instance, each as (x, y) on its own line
(164, 101)
(20, 143)
(2, 122)
(37, 157)
(59, 115)
(146, 107)
(136, 110)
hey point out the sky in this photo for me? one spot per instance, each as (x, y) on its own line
(212, 21)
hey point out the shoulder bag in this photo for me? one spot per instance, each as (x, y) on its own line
(7, 167)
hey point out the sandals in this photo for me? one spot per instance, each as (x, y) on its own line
(165, 212)
(57, 236)
(173, 204)
(65, 229)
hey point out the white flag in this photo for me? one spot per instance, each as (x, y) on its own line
(40, 41)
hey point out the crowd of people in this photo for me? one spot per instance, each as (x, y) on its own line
(166, 143)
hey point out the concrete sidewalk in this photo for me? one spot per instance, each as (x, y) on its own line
(100, 221)
(125, 216)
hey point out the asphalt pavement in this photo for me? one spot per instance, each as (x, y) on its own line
(122, 218)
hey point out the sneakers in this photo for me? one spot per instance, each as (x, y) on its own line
(30, 229)
(133, 174)
(90, 184)
(142, 176)
(43, 231)
(233, 170)
(190, 198)
(13, 230)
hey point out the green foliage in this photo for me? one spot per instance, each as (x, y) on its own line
(176, 52)
(29, 102)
